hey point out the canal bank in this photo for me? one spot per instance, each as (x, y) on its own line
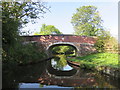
(106, 63)
(115, 72)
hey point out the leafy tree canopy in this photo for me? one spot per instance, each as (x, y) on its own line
(48, 29)
(87, 21)
(14, 15)
(23, 11)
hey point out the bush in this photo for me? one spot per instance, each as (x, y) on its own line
(24, 53)
(107, 44)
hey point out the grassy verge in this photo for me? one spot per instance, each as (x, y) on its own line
(99, 59)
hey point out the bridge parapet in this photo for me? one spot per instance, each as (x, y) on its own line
(63, 38)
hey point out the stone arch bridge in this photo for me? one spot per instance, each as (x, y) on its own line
(82, 44)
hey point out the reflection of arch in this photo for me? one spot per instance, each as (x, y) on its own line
(57, 72)
(60, 44)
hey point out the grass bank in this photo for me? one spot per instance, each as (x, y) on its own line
(98, 60)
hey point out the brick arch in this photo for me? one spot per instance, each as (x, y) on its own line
(83, 44)
(60, 44)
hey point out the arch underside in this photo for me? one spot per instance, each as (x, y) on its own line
(62, 44)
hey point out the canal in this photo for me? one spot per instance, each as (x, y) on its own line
(56, 73)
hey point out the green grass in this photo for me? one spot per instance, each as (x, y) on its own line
(99, 59)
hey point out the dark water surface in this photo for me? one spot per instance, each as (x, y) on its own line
(56, 73)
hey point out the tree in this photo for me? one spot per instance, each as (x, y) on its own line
(87, 21)
(111, 45)
(104, 41)
(14, 15)
(48, 29)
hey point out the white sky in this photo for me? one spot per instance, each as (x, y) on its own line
(61, 15)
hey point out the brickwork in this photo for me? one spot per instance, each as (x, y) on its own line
(63, 38)
(83, 44)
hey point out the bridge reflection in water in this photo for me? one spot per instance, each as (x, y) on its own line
(56, 73)
(65, 75)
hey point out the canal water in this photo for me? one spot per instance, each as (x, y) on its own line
(56, 73)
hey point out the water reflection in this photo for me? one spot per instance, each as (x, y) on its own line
(60, 63)
(22, 74)
(56, 73)
(65, 81)
(37, 85)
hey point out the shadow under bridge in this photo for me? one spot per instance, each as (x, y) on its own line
(50, 47)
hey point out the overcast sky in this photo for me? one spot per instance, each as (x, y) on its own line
(61, 15)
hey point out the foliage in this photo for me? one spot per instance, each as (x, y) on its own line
(101, 40)
(14, 15)
(23, 11)
(111, 45)
(25, 53)
(106, 43)
(63, 49)
(99, 59)
(48, 29)
(32, 53)
(87, 21)
(60, 62)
